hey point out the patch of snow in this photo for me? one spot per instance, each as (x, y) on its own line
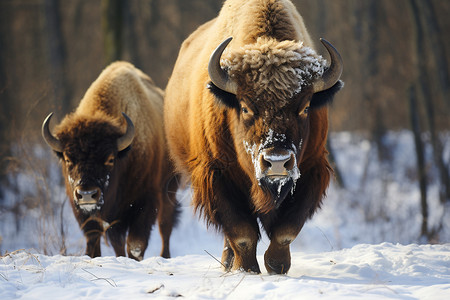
(382, 271)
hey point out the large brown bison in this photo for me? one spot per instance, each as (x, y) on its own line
(116, 172)
(246, 120)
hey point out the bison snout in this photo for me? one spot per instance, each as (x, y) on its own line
(88, 197)
(276, 163)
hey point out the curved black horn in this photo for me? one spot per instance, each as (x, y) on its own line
(124, 141)
(334, 71)
(52, 141)
(218, 76)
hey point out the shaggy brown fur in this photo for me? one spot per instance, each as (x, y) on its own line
(133, 182)
(217, 139)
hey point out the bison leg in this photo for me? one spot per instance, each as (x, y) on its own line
(93, 245)
(167, 215)
(140, 228)
(137, 243)
(116, 235)
(277, 258)
(92, 232)
(243, 238)
(227, 256)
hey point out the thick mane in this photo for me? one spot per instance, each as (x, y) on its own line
(88, 134)
(123, 88)
(249, 20)
(273, 69)
(76, 122)
(270, 18)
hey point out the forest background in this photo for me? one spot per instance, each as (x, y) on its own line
(396, 74)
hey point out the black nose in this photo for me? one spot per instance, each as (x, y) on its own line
(277, 162)
(87, 196)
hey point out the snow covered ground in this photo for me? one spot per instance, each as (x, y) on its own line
(383, 271)
(363, 243)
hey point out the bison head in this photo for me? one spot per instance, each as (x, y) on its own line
(88, 148)
(276, 89)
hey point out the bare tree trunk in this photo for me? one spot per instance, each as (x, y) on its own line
(370, 37)
(112, 19)
(414, 117)
(425, 82)
(5, 110)
(433, 32)
(129, 17)
(57, 57)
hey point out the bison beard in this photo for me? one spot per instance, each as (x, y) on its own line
(258, 99)
(278, 189)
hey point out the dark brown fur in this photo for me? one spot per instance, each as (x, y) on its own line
(135, 182)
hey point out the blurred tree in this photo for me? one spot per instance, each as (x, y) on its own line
(6, 104)
(420, 154)
(56, 57)
(426, 30)
(5, 110)
(112, 23)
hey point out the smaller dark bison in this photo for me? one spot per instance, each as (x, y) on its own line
(117, 174)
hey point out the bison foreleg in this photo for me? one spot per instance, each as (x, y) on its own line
(277, 258)
(93, 244)
(116, 236)
(140, 228)
(243, 239)
(92, 232)
(168, 215)
(227, 256)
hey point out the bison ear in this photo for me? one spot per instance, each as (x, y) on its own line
(325, 97)
(223, 97)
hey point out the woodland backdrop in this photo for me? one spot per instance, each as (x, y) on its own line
(396, 71)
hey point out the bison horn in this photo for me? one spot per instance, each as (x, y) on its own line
(218, 76)
(52, 141)
(124, 141)
(334, 71)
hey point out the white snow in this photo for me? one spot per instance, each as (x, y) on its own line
(363, 243)
(383, 271)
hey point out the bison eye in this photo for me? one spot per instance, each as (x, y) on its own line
(67, 160)
(246, 112)
(304, 112)
(110, 160)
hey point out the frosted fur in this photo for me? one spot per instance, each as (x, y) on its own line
(89, 207)
(275, 69)
(254, 151)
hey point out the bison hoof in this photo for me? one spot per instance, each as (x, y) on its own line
(252, 269)
(227, 258)
(276, 267)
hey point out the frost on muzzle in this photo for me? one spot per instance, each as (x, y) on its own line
(276, 168)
